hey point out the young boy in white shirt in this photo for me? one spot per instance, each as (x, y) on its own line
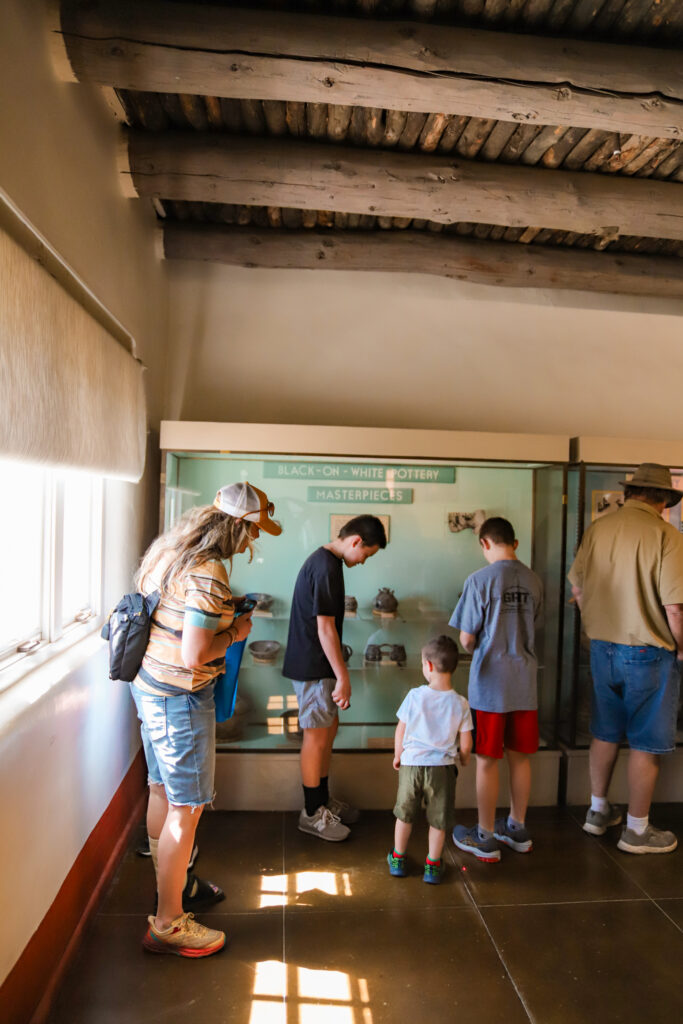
(432, 719)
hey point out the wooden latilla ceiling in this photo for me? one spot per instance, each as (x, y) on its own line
(440, 136)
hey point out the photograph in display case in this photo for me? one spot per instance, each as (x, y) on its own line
(604, 502)
(459, 521)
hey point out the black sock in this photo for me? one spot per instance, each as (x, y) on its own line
(312, 799)
(324, 790)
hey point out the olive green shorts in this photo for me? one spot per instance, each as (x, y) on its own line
(433, 783)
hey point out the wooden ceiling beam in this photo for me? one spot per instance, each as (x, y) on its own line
(276, 55)
(494, 263)
(215, 168)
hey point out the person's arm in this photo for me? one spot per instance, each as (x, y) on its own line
(398, 743)
(468, 616)
(331, 645)
(465, 745)
(674, 616)
(468, 641)
(201, 646)
(577, 594)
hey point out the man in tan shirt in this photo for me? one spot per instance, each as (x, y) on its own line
(627, 579)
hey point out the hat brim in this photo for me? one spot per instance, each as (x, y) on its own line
(273, 528)
(676, 495)
(264, 522)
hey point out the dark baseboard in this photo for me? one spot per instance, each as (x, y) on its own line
(27, 993)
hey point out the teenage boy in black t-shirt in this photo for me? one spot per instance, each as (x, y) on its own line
(315, 664)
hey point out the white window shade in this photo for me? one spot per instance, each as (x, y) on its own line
(70, 394)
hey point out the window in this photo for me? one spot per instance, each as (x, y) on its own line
(51, 530)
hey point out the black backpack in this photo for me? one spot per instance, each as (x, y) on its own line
(127, 630)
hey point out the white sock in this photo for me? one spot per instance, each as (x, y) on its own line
(637, 825)
(599, 804)
(154, 851)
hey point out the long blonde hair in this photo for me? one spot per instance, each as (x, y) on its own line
(203, 533)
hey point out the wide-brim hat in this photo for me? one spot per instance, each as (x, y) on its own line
(244, 501)
(650, 474)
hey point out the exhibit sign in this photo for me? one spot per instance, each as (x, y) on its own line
(362, 472)
(361, 495)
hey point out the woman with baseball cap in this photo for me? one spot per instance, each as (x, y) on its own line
(192, 627)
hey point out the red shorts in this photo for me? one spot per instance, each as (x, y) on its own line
(509, 730)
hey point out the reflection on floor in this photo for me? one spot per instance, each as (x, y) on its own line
(573, 932)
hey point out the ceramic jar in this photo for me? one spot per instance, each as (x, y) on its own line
(385, 602)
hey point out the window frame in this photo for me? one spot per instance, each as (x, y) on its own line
(53, 635)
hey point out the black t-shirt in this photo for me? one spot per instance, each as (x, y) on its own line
(319, 590)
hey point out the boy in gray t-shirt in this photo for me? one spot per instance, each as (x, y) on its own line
(497, 615)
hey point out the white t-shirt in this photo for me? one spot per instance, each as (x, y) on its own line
(433, 720)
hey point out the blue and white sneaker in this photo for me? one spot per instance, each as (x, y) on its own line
(468, 840)
(516, 838)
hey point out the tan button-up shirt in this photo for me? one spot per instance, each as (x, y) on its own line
(628, 566)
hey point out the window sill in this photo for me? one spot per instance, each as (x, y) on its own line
(41, 670)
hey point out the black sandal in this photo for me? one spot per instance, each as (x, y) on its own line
(198, 894)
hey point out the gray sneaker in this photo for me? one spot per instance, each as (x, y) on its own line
(516, 838)
(597, 822)
(324, 825)
(652, 840)
(347, 814)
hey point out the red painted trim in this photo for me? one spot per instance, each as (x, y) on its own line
(26, 994)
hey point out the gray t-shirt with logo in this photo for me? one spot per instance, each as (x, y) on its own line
(501, 605)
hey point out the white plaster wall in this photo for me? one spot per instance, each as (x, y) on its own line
(417, 351)
(67, 734)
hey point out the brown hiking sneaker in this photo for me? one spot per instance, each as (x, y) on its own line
(184, 937)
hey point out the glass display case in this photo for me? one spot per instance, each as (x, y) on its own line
(429, 506)
(593, 490)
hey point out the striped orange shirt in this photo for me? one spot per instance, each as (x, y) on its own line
(201, 597)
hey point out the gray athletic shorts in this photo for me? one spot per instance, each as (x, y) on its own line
(317, 710)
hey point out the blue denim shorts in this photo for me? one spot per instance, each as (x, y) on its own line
(179, 737)
(317, 710)
(635, 695)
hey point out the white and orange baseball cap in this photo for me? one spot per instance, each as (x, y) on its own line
(244, 501)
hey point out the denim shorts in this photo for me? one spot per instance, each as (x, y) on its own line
(179, 737)
(635, 695)
(317, 710)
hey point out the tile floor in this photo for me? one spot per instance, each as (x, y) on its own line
(574, 932)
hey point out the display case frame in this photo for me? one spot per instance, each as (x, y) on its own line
(537, 457)
(596, 467)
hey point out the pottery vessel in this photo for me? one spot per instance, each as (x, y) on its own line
(231, 730)
(350, 603)
(263, 601)
(385, 602)
(347, 651)
(265, 651)
(394, 654)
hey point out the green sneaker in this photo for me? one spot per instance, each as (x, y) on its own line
(397, 865)
(433, 873)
